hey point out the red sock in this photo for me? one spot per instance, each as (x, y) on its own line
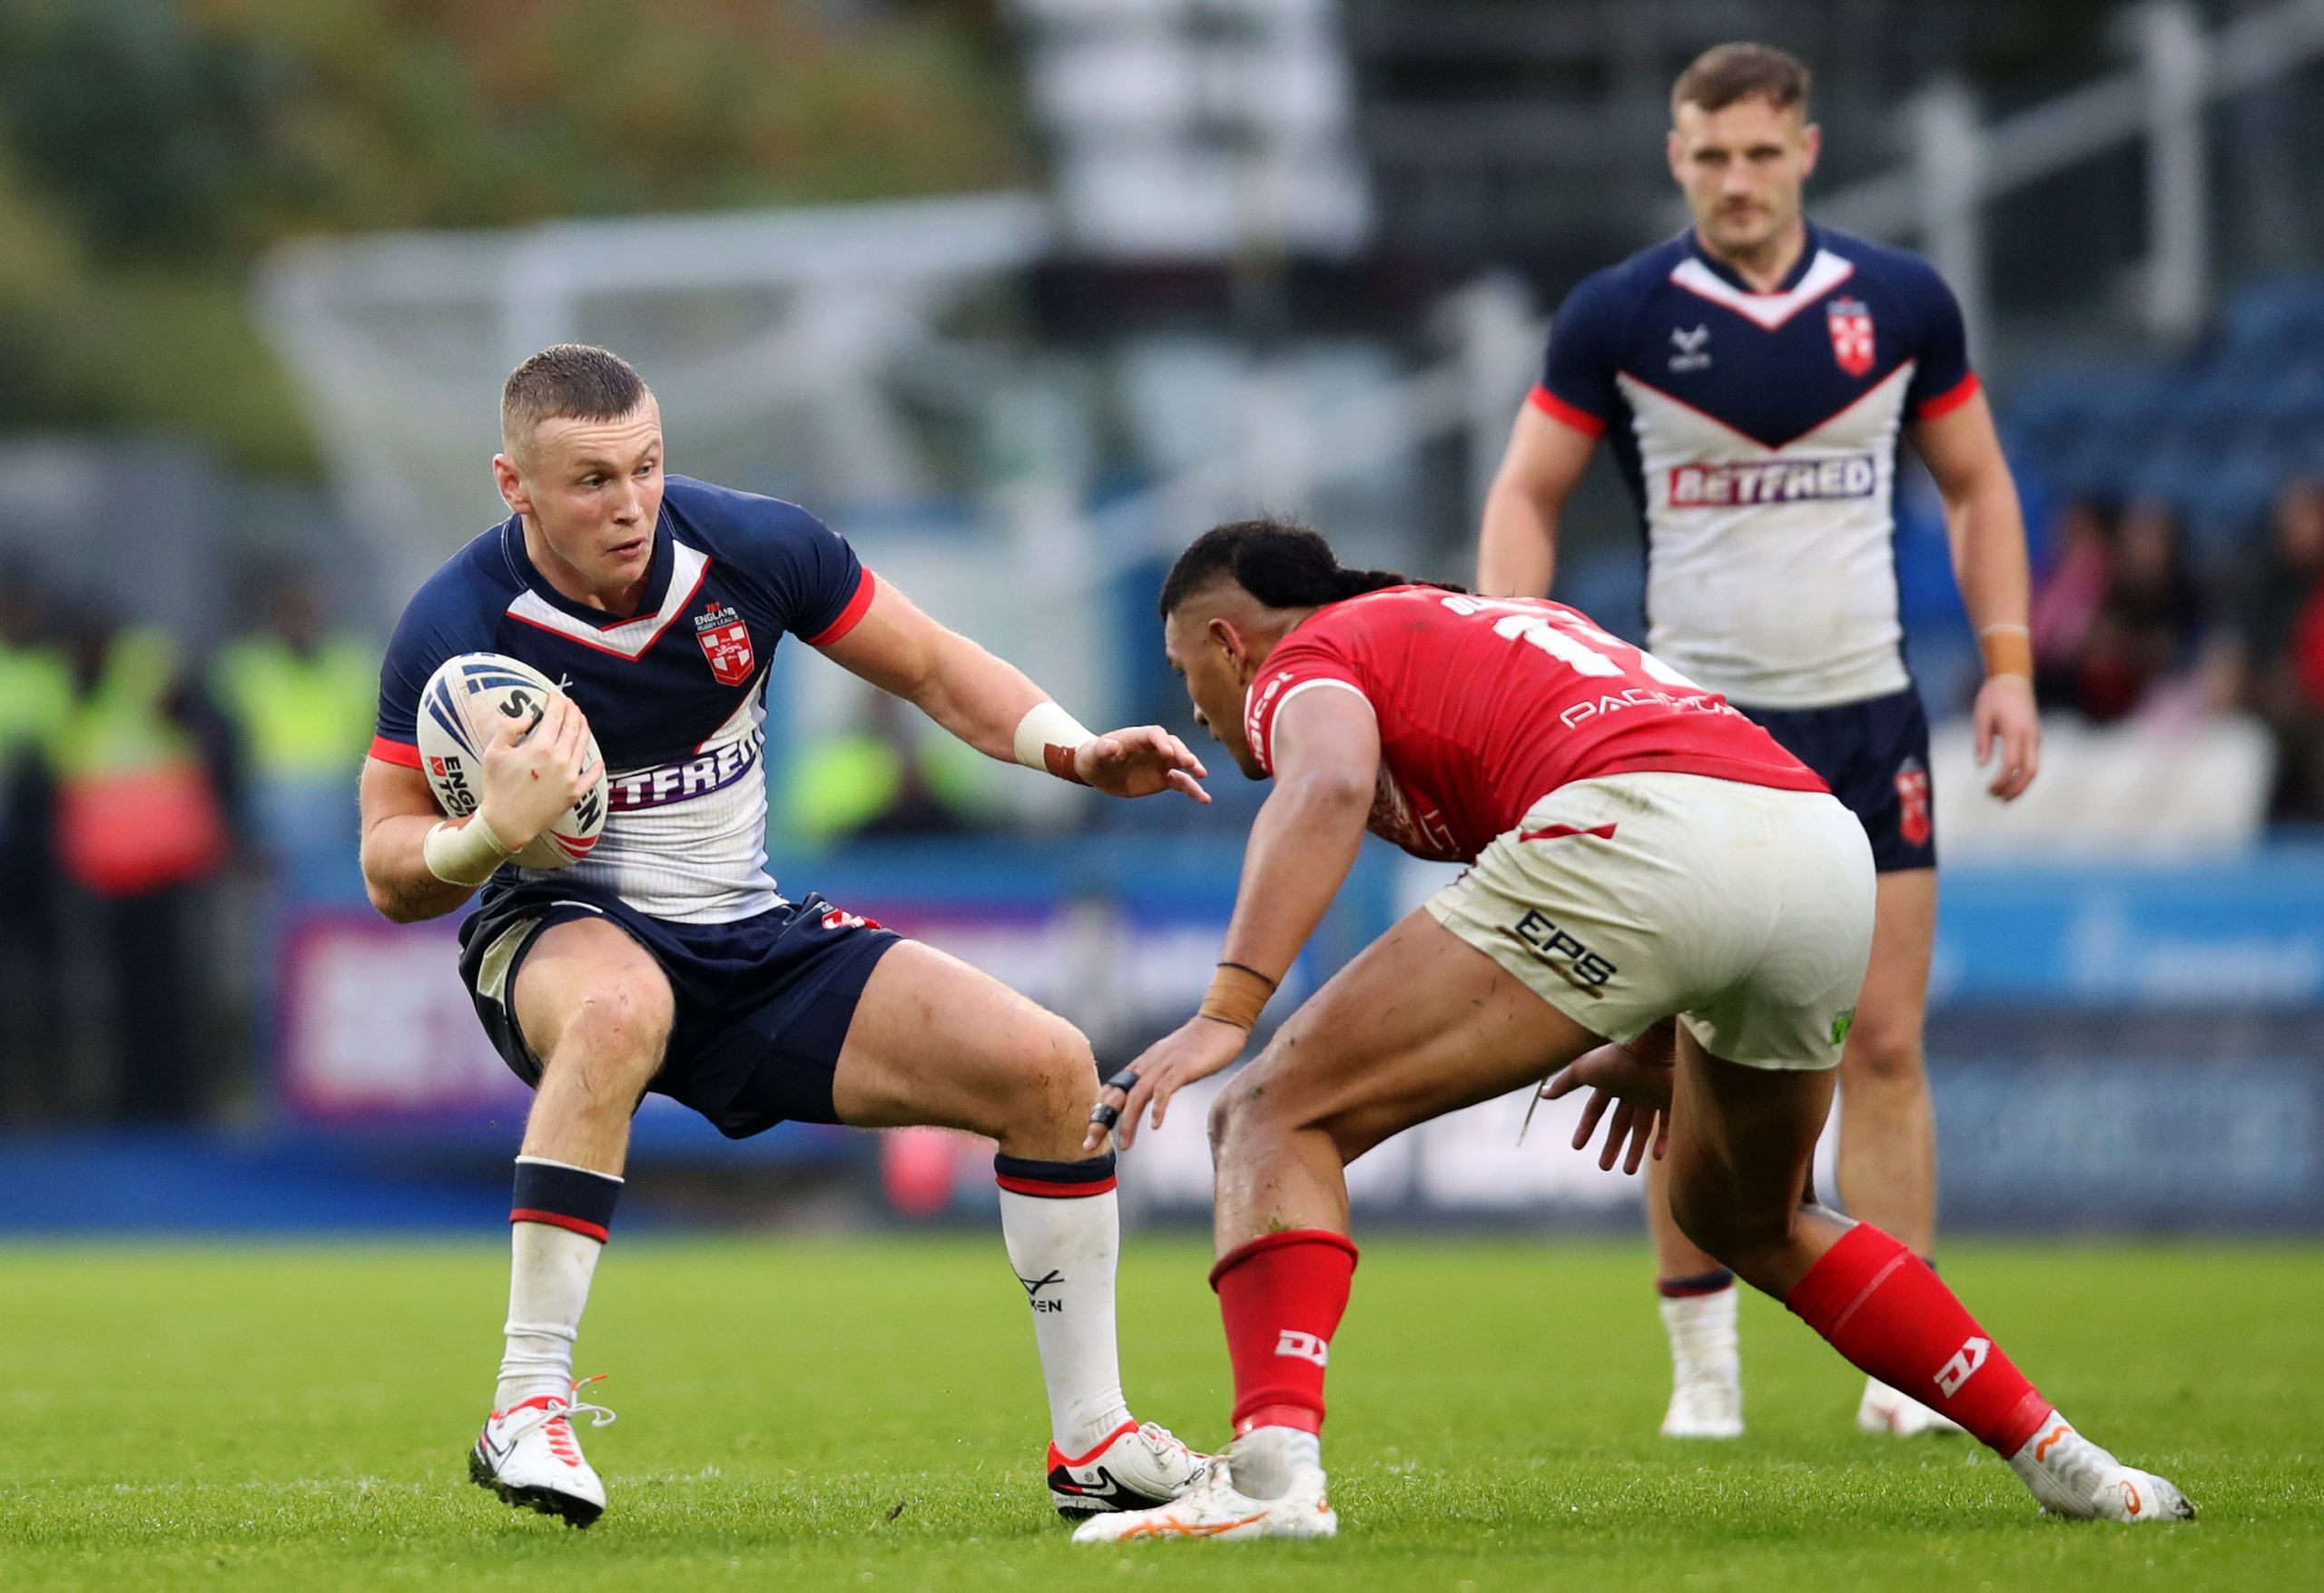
(1880, 1305)
(1282, 1295)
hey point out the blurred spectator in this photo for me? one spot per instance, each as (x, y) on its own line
(36, 694)
(140, 829)
(2067, 598)
(299, 698)
(2278, 670)
(2148, 627)
(882, 779)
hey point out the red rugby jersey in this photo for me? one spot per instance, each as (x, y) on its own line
(1487, 704)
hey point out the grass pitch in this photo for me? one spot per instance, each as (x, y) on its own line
(867, 1414)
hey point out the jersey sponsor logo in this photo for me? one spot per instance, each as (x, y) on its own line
(1563, 953)
(1963, 1366)
(1850, 320)
(1689, 350)
(1912, 820)
(683, 781)
(1303, 1346)
(725, 641)
(1772, 481)
(1643, 697)
(1255, 712)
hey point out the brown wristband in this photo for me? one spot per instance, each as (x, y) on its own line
(1061, 762)
(1238, 995)
(2008, 651)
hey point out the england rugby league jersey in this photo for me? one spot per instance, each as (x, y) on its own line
(1486, 705)
(1757, 432)
(676, 694)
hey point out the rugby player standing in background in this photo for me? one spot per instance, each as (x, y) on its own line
(1752, 377)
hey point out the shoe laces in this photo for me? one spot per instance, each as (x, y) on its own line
(555, 1413)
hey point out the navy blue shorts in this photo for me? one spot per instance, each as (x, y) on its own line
(1874, 754)
(762, 1005)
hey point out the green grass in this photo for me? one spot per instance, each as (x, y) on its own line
(866, 1414)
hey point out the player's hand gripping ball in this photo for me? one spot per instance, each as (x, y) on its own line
(496, 734)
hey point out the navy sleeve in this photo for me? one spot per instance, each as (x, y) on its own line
(432, 629)
(1585, 354)
(1942, 379)
(819, 586)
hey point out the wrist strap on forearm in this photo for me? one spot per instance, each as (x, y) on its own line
(1238, 995)
(465, 854)
(1047, 739)
(2008, 649)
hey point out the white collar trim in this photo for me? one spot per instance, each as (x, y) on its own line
(1825, 272)
(632, 637)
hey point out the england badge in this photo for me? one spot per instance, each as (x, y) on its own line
(1851, 324)
(725, 641)
(1912, 820)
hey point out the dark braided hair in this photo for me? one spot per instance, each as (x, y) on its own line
(1281, 562)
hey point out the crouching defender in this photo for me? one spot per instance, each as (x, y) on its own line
(1639, 851)
(666, 960)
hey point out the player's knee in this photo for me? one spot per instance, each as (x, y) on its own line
(614, 1035)
(1056, 1079)
(1883, 1053)
(1249, 1104)
(1726, 1227)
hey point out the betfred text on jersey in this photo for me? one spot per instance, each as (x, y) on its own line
(678, 782)
(1773, 481)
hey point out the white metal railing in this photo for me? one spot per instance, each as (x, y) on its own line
(1960, 163)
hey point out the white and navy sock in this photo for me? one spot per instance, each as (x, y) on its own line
(1699, 1314)
(1062, 1225)
(558, 1221)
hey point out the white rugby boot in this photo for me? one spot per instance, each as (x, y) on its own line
(2074, 1477)
(1214, 1508)
(1885, 1409)
(1705, 1366)
(530, 1456)
(1137, 1467)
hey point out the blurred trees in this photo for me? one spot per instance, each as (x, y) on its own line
(150, 150)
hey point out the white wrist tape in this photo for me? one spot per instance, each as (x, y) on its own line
(466, 854)
(1047, 725)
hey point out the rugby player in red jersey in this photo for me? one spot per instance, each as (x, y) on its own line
(1639, 852)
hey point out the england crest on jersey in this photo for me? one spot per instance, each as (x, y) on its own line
(1851, 324)
(725, 641)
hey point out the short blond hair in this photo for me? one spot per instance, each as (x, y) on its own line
(574, 381)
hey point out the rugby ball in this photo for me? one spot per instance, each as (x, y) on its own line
(466, 700)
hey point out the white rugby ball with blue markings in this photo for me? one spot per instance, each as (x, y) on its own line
(466, 702)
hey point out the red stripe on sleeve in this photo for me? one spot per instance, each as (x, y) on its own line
(401, 754)
(848, 617)
(1952, 398)
(1556, 409)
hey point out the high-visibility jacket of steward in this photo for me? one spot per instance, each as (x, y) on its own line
(304, 716)
(35, 696)
(136, 810)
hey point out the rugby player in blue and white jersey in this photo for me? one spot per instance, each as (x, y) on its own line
(1753, 377)
(666, 959)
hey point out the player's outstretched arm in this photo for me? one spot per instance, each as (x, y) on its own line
(1987, 530)
(1517, 548)
(990, 703)
(1303, 843)
(418, 864)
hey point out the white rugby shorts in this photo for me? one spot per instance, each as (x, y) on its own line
(1745, 910)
